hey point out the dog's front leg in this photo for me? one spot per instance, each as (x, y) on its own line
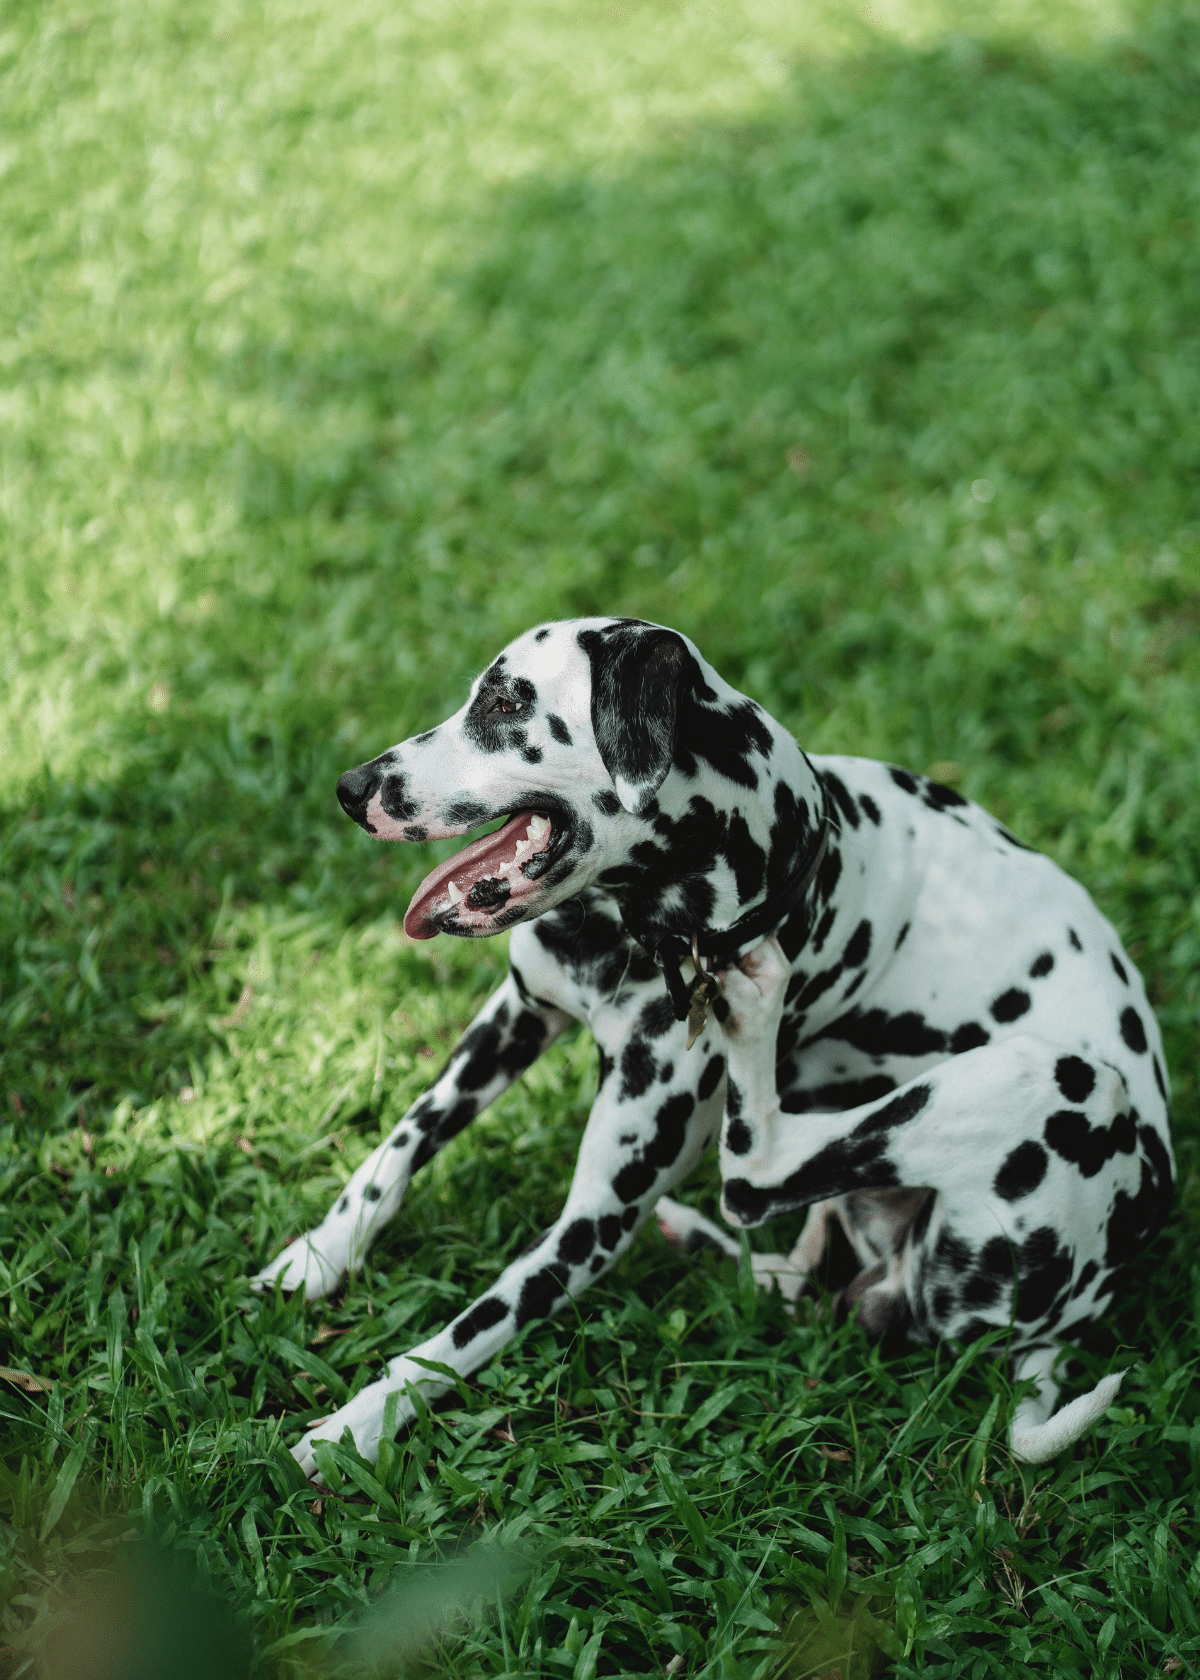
(508, 1034)
(634, 1149)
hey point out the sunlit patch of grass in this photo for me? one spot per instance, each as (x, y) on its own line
(337, 348)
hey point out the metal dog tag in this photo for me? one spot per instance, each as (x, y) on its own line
(704, 989)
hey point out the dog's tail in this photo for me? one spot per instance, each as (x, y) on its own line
(1036, 1436)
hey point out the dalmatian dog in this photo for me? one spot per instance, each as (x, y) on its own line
(933, 1036)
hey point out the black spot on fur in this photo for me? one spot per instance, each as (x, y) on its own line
(1011, 1005)
(859, 1162)
(1074, 938)
(1044, 1269)
(670, 1131)
(393, 796)
(940, 798)
(838, 1096)
(1083, 1281)
(745, 857)
(1132, 1030)
(1022, 1171)
(629, 1218)
(609, 1231)
(638, 1069)
(858, 947)
(415, 831)
(953, 1252)
(1041, 966)
(400, 1140)
(606, 801)
(658, 1017)
(558, 729)
(697, 1241)
(829, 874)
(817, 944)
(531, 754)
(996, 1258)
(465, 811)
(372, 1193)
(541, 635)
(1006, 834)
(980, 1290)
(1074, 1078)
(711, 1077)
(903, 779)
(869, 809)
(841, 798)
(343, 1204)
(897, 1112)
(813, 989)
(879, 1034)
(540, 1292)
(902, 935)
(1118, 968)
(459, 1116)
(1071, 1135)
(577, 1242)
(1135, 1219)
(482, 1316)
(1159, 1080)
(970, 1036)
(737, 1138)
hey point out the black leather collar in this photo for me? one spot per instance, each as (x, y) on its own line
(720, 945)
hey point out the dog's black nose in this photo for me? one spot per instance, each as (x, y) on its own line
(355, 788)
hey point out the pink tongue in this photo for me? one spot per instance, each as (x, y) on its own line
(474, 863)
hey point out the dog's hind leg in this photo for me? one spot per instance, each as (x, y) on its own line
(510, 1031)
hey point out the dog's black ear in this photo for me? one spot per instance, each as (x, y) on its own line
(636, 670)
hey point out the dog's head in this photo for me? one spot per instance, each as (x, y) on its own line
(570, 733)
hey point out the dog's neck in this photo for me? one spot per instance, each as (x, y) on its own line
(716, 849)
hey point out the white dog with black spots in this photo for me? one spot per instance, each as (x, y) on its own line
(931, 1033)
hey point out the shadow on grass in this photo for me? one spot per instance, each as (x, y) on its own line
(738, 388)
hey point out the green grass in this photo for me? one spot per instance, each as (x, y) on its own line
(337, 345)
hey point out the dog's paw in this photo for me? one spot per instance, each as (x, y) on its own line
(378, 1409)
(754, 990)
(767, 968)
(312, 1260)
(689, 1231)
(362, 1416)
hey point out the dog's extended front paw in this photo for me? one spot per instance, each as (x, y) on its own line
(314, 1260)
(379, 1408)
(362, 1416)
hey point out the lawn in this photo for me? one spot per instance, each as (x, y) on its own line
(337, 345)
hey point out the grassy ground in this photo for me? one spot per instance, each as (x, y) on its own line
(338, 344)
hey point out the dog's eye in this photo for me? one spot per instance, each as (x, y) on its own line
(502, 705)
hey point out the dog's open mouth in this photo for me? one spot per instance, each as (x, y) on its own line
(498, 872)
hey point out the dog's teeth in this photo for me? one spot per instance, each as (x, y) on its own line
(522, 847)
(537, 827)
(455, 896)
